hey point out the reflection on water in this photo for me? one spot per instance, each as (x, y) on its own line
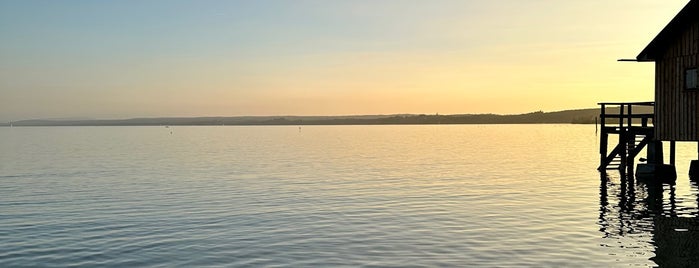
(643, 217)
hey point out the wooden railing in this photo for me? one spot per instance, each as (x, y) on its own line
(625, 116)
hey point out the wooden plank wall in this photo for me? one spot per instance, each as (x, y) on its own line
(676, 110)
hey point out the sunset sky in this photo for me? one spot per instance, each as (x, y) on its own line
(121, 59)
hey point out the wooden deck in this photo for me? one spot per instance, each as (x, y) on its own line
(634, 132)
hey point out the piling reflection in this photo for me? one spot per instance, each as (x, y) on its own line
(645, 219)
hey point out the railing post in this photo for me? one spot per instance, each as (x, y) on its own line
(621, 117)
(602, 116)
(630, 117)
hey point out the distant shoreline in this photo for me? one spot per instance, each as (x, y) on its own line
(290, 125)
(579, 116)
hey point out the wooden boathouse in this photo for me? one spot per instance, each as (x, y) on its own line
(675, 51)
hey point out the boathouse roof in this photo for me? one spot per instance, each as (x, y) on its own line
(677, 25)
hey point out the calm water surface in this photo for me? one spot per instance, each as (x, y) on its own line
(374, 196)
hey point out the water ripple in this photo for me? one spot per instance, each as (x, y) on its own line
(351, 196)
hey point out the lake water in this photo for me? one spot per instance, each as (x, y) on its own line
(372, 196)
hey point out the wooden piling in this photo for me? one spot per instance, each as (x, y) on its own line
(672, 153)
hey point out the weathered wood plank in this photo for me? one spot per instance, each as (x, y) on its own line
(677, 112)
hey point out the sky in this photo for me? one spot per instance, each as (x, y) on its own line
(123, 59)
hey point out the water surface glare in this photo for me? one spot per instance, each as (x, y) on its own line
(356, 196)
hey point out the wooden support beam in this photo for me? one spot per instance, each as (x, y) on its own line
(640, 147)
(608, 159)
(603, 138)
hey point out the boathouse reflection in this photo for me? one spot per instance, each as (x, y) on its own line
(643, 217)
